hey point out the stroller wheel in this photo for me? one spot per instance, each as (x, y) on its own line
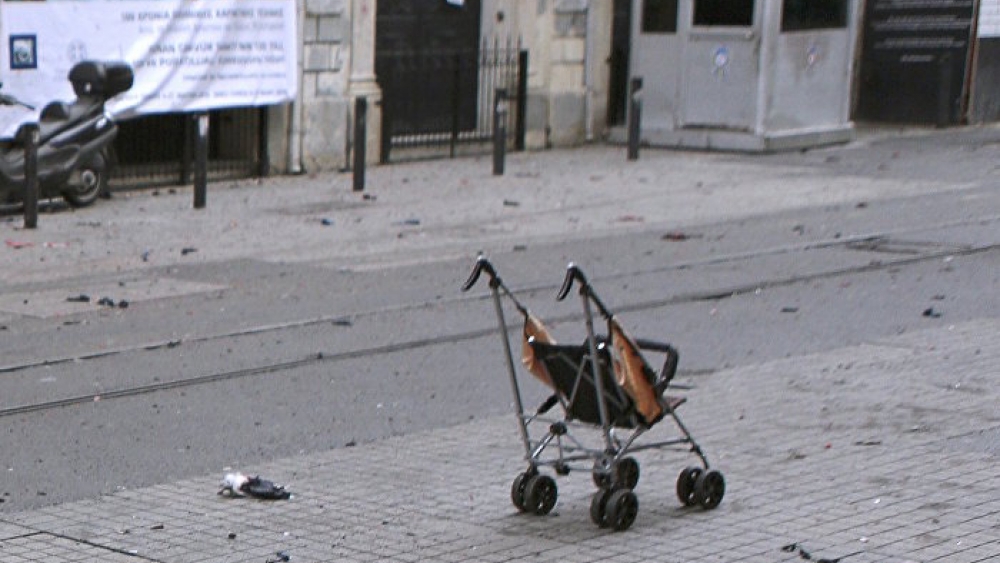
(686, 485)
(709, 489)
(622, 508)
(599, 507)
(540, 494)
(517, 496)
(626, 473)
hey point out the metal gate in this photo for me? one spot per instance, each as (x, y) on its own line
(159, 149)
(437, 100)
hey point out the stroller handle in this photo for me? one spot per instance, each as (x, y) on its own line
(482, 264)
(573, 273)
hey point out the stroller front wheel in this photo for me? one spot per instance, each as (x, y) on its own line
(517, 496)
(622, 508)
(540, 494)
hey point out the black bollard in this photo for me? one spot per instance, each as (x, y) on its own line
(29, 137)
(201, 161)
(360, 141)
(499, 131)
(634, 117)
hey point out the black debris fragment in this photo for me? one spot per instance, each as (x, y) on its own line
(930, 313)
(82, 298)
(789, 309)
(803, 554)
(188, 250)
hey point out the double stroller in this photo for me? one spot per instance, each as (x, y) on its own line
(602, 384)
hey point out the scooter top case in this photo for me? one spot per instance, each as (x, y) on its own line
(94, 83)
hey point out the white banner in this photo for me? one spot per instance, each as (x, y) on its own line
(989, 18)
(188, 55)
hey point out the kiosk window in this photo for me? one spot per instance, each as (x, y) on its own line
(659, 16)
(802, 15)
(723, 12)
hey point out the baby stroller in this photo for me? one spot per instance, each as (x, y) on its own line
(604, 383)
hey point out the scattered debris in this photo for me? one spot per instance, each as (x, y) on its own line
(629, 218)
(799, 229)
(82, 298)
(520, 247)
(868, 443)
(156, 527)
(232, 535)
(145, 255)
(188, 250)
(803, 554)
(412, 222)
(238, 484)
(369, 197)
(326, 222)
(676, 236)
(789, 309)
(511, 203)
(279, 557)
(19, 244)
(938, 297)
(106, 301)
(861, 205)
(343, 321)
(931, 313)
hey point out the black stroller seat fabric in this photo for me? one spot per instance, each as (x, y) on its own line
(571, 372)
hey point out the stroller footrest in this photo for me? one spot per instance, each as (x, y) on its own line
(671, 403)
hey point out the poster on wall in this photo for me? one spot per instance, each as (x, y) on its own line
(989, 18)
(187, 55)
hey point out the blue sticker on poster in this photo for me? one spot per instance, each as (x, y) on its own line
(23, 52)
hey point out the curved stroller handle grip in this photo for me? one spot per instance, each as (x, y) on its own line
(573, 273)
(482, 264)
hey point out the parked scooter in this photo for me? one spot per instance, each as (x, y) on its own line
(74, 144)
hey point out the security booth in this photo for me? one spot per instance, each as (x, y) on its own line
(746, 75)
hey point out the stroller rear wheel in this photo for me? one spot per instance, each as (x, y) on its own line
(540, 494)
(622, 508)
(709, 489)
(686, 485)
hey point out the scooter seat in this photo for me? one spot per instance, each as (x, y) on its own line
(55, 111)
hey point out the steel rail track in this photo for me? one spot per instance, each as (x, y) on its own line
(896, 260)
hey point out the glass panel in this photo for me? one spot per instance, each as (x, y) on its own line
(800, 15)
(723, 12)
(659, 16)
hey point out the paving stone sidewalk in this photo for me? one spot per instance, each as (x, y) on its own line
(885, 452)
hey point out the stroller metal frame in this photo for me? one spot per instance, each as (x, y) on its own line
(597, 371)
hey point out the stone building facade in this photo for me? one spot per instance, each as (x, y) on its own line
(568, 42)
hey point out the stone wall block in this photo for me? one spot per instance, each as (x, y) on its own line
(326, 7)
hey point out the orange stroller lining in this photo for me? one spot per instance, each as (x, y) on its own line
(535, 331)
(630, 373)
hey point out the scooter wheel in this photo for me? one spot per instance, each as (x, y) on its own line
(91, 181)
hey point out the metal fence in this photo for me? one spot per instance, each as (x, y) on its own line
(442, 98)
(159, 149)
